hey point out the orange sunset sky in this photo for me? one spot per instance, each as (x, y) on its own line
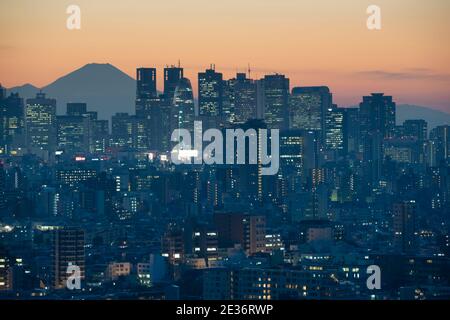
(320, 42)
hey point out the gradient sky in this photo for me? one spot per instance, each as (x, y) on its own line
(317, 42)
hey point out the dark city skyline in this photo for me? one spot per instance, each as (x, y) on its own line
(318, 170)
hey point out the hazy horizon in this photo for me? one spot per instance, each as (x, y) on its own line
(314, 43)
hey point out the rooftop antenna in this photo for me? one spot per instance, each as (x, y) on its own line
(179, 63)
(249, 71)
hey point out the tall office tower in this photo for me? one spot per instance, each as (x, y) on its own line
(129, 132)
(417, 129)
(145, 88)
(441, 138)
(68, 249)
(404, 226)
(308, 107)
(99, 136)
(73, 133)
(351, 130)
(122, 130)
(244, 98)
(210, 93)
(377, 115)
(252, 183)
(334, 129)
(291, 151)
(276, 100)
(12, 122)
(228, 101)
(248, 230)
(377, 122)
(183, 113)
(159, 121)
(40, 119)
(172, 76)
(76, 109)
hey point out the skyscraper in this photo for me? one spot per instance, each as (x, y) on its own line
(291, 150)
(351, 130)
(129, 132)
(308, 107)
(73, 133)
(12, 122)
(244, 98)
(377, 115)
(172, 76)
(210, 93)
(228, 111)
(145, 88)
(334, 131)
(40, 115)
(377, 122)
(276, 97)
(441, 138)
(99, 136)
(183, 106)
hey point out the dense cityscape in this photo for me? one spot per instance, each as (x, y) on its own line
(354, 189)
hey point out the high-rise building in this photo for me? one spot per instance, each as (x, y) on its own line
(172, 76)
(99, 136)
(417, 129)
(291, 150)
(404, 226)
(377, 122)
(12, 122)
(276, 99)
(183, 114)
(377, 115)
(146, 82)
(210, 93)
(228, 101)
(351, 130)
(308, 107)
(160, 120)
(441, 138)
(244, 98)
(145, 88)
(334, 129)
(73, 133)
(129, 132)
(40, 117)
(68, 250)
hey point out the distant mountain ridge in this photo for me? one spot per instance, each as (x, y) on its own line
(433, 117)
(104, 88)
(108, 90)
